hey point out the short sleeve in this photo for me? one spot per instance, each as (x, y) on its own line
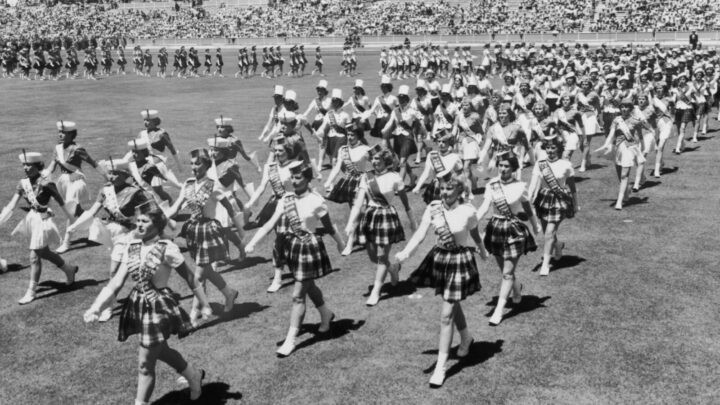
(363, 183)
(321, 208)
(19, 189)
(173, 257)
(399, 184)
(536, 170)
(569, 171)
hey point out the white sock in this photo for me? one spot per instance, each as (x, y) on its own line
(442, 359)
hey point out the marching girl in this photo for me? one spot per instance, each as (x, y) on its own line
(436, 162)
(218, 63)
(272, 120)
(383, 62)
(649, 114)
(422, 103)
(38, 225)
(382, 108)
(360, 103)
(332, 133)
(277, 175)
(450, 266)
(504, 135)
(702, 93)
(118, 199)
(507, 237)
(684, 95)
(373, 218)
(298, 215)
(146, 171)
(240, 64)
(468, 127)
(159, 140)
(320, 106)
(225, 130)
(152, 310)
(203, 233)
(543, 126)
(570, 124)
(405, 124)
(588, 104)
(552, 191)
(318, 63)
(664, 106)
(610, 100)
(446, 111)
(625, 135)
(352, 162)
(69, 156)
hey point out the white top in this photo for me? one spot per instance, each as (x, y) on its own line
(210, 207)
(377, 109)
(359, 156)
(451, 161)
(460, 220)
(171, 260)
(388, 183)
(515, 194)
(341, 118)
(561, 168)
(283, 173)
(311, 207)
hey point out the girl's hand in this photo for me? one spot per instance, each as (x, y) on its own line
(91, 315)
(249, 248)
(401, 256)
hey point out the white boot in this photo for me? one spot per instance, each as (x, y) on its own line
(289, 345)
(438, 377)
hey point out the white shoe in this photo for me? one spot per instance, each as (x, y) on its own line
(274, 287)
(63, 248)
(464, 349)
(495, 319)
(230, 301)
(105, 315)
(372, 300)
(27, 298)
(286, 348)
(438, 378)
(3, 266)
(544, 270)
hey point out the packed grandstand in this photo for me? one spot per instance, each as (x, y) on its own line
(29, 20)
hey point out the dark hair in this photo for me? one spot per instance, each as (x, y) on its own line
(388, 87)
(362, 91)
(557, 141)
(158, 219)
(70, 132)
(510, 158)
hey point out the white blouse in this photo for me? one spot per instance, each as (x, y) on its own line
(460, 220)
(388, 183)
(311, 207)
(561, 168)
(515, 194)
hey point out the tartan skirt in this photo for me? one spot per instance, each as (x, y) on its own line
(205, 240)
(378, 125)
(453, 274)
(508, 238)
(553, 207)
(154, 315)
(345, 189)
(306, 260)
(404, 146)
(278, 257)
(267, 211)
(381, 226)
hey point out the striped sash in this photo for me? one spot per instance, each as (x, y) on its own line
(350, 166)
(293, 219)
(60, 152)
(374, 189)
(142, 271)
(111, 202)
(549, 177)
(30, 193)
(198, 197)
(446, 239)
(499, 200)
(436, 162)
(275, 182)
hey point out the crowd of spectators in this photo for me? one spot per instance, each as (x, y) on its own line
(299, 18)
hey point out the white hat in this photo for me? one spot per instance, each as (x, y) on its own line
(359, 83)
(337, 93)
(222, 121)
(421, 84)
(404, 90)
(138, 144)
(322, 84)
(460, 93)
(287, 116)
(216, 142)
(30, 157)
(279, 90)
(385, 79)
(446, 88)
(66, 125)
(149, 114)
(291, 95)
(115, 165)
(473, 81)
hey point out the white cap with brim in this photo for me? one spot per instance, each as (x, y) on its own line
(322, 84)
(66, 125)
(30, 157)
(337, 93)
(216, 142)
(291, 95)
(222, 121)
(385, 80)
(149, 114)
(421, 84)
(359, 83)
(115, 165)
(404, 90)
(279, 90)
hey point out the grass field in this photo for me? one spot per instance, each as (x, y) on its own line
(630, 317)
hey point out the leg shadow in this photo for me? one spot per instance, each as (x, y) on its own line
(635, 201)
(566, 262)
(56, 288)
(693, 149)
(214, 393)
(580, 179)
(338, 329)
(668, 170)
(238, 311)
(248, 262)
(83, 243)
(649, 184)
(16, 267)
(529, 303)
(479, 353)
(403, 288)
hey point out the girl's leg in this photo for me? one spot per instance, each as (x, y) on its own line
(585, 149)
(623, 174)
(550, 231)
(208, 272)
(296, 316)
(277, 280)
(326, 315)
(681, 136)
(662, 139)
(639, 175)
(381, 259)
(506, 287)
(466, 339)
(194, 377)
(147, 358)
(446, 334)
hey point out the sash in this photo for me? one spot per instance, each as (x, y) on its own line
(322, 110)
(293, 218)
(143, 271)
(347, 161)
(449, 118)
(500, 202)
(334, 125)
(111, 202)
(549, 177)
(446, 239)
(436, 162)
(625, 129)
(29, 193)
(275, 181)
(563, 120)
(423, 111)
(384, 105)
(401, 122)
(198, 197)
(374, 189)
(60, 152)
(357, 105)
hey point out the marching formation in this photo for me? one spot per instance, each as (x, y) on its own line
(466, 134)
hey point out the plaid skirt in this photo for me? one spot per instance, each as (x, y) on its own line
(154, 315)
(553, 207)
(404, 146)
(381, 226)
(431, 192)
(306, 260)
(684, 116)
(333, 144)
(267, 211)
(508, 238)
(453, 274)
(278, 257)
(344, 191)
(205, 240)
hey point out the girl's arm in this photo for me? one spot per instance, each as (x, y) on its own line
(475, 235)
(265, 229)
(403, 198)
(261, 188)
(106, 294)
(608, 145)
(330, 227)
(85, 217)
(416, 239)
(8, 209)
(483, 209)
(424, 176)
(333, 173)
(358, 204)
(172, 211)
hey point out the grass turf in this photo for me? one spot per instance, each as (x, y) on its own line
(629, 317)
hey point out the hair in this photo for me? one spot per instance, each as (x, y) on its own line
(386, 87)
(387, 156)
(508, 157)
(362, 91)
(458, 179)
(447, 137)
(323, 89)
(557, 141)
(203, 158)
(38, 165)
(291, 105)
(307, 172)
(228, 128)
(158, 219)
(510, 113)
(286, 147)
(71, 132)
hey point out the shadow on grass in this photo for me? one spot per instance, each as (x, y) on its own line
(693, 149)
(529, 303)
(60, 288)
(83, 243)
(16, 267)
(669, 170)
(649, 184)
(635, 201)
(594, 166)
(248, 262)
(238, 311)
(566, 262)
(214, 393)
(403, 288)
(338, 329)
(704, 137)
(580, 179)
(479, 353)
